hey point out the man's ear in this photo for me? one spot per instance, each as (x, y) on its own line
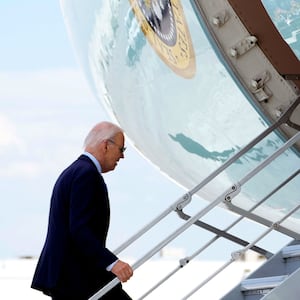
(105, 145)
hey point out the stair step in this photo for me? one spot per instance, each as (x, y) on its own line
(291, 251)
(261, 285)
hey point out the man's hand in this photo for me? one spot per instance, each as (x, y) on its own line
(122, 270)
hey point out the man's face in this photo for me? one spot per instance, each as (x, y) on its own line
(115, 151)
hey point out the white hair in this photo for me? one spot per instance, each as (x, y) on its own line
(100, 132)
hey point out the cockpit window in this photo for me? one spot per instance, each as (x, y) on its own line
(285, 15)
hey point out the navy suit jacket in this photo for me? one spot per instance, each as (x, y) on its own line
(74, 257)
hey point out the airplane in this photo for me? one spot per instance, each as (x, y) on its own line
(208, 91)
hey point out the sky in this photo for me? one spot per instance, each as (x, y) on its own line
(46, 110)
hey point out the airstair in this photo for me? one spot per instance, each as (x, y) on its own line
(279, 276)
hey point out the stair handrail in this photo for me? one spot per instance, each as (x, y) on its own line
(239, 253)
(227, 194)
(220, 233)
(186, 198)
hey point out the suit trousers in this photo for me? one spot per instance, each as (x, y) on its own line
(116, 293)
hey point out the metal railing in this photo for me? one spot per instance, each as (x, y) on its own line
(227, 196)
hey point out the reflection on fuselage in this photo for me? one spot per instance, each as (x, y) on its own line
(169, 102)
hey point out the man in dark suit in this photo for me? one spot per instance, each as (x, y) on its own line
(75, 263)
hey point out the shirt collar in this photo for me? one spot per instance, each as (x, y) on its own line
(94, 160)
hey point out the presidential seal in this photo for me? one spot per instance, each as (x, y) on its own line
(164, 25)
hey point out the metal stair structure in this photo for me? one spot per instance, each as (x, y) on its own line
(275, 279)
(278, 273)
